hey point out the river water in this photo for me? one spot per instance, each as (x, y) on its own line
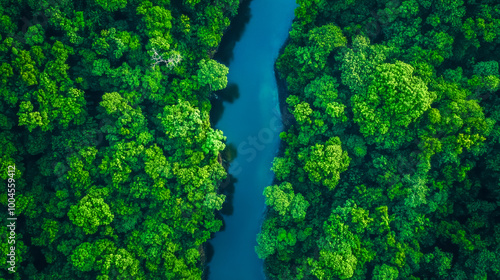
(248, 114)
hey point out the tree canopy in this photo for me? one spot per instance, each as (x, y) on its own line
(105, 114)
(392, 146)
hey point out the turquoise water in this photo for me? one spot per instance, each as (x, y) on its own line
(248, 114)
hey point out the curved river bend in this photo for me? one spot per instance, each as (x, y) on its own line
(248, 114)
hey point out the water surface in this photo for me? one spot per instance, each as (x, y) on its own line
(248, 114)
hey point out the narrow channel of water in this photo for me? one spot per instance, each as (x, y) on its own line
(248, 114)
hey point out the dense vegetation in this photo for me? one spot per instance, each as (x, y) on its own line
(104, 110)
(391, 168)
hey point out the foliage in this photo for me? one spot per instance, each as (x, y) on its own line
(409, 90)
(105, 113)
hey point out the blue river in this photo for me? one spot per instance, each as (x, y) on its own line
(248, 114)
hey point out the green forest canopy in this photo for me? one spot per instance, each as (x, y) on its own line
(104, 110)
(390, 169)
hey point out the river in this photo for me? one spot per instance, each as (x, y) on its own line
(248, 114)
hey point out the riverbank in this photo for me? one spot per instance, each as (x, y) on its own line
(246, 116)
(287, 118)
(224, 158)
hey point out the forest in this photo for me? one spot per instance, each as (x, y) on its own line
(104, 109)
(390, 165)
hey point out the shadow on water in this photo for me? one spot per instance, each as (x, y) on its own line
(227, 189)
(233, 34)
(229, 94)
(230, 152)
(209, 253)
(227, 186)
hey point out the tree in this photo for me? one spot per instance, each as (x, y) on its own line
(34, 35)
(393, 100)
(213, 74)
(298, 207)
(279, 197)
(112, 5)
(385, 272)
(324, 163)
(90, 213)
(121, 157)
(182, 122)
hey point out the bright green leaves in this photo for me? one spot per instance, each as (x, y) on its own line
(464, 124)
(301, 112)
(55, 99)
(119, 161)
(214, 143)
(88, 113)
(157, 19)
(114, 44)
(29, 118)
(25, 66)
(122, 120)
(114, 103)
(71, 24)
(192, 255)
(71, 108)
(279, 197)
(210, 34)
(486, 77)
(322, 40)
(360, 62)
(322, 91)
(103, 257)
(412, 164)
(100, 67)
(310, 57)
(393, 100)
(84, 257)
(181, 121)
(283, 200)
(266, 240)
(325, 162)
(6, 72)
(79, 174)
(90, 213)
(274, 239)
(405, 94)
(434, 115)
(332, 265)
(384, 271)
(289, 238)
(213, 74)
(214, 201)
(483, 26)
(341, 247)
(112, 5)
(60, 53)
(298, 207)
(282, 167)
(185, 127)
(327, 37)
(155, 162)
